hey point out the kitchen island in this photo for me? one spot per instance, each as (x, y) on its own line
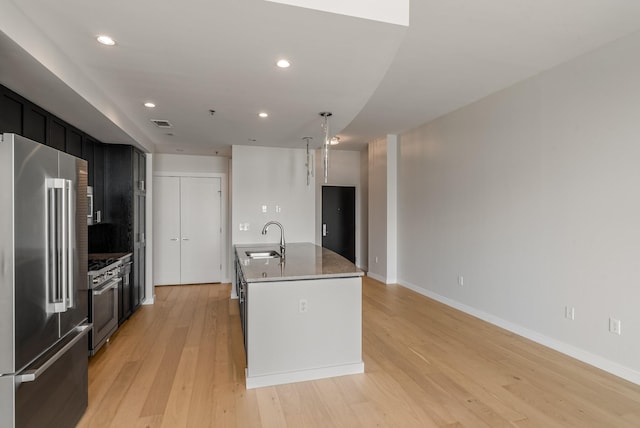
(301, 314)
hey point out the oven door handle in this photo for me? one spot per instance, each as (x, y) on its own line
(112, 284)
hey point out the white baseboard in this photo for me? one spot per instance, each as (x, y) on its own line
(303, 375)
(377, 277)
(572, 351)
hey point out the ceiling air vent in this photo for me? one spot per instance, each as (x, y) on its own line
(161, 123)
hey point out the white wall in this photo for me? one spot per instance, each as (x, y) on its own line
(190, 163)
(271, 177)
(533, 195)
(392, 208)
(378, 209)
(200, 166)
(364, 213)
(383, 239)
(344, 170)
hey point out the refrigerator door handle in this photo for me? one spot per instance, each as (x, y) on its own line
(31, 374)
(56, 260)
(64, 241)
(70, 229)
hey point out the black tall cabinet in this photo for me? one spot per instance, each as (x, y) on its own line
(125, 198)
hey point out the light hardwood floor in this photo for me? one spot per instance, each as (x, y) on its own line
(180, 363)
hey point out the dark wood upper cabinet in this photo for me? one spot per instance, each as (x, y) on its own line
(116, 172)
(74, 143)
(98, 181)
(57, 135)
(87, 154)
(35, 124)
(10, 113)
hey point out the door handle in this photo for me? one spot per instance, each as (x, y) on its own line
(58, 241)
(111, 285)
(32, 374)
(71, 232)
(174, 239)
(185, 239)
(324, 229)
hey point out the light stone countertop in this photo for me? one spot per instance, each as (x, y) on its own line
(302, 260)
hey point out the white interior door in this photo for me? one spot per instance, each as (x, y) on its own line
(200, 230)
(166, 230)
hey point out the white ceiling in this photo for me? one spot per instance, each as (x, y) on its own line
(195, 55)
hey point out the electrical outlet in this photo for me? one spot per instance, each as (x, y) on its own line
(376, 259)
(278, 208)
(303, 306)
(461, 280)
(570, 313)
(615, 326)
(264, 208)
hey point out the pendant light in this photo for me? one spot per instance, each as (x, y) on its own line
(309, 162)
(325, 153)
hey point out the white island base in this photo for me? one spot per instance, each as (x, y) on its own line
(303, 330)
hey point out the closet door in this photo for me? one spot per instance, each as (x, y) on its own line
(166, 230)
(200, 230)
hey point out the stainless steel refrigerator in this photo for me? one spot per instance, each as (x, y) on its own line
(43, 285)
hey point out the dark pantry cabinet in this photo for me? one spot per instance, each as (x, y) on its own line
(125, 190)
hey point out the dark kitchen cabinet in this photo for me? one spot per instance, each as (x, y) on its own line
(35, 123)
(125, 198)
(87, 154)
(113, 177)
(93, 153)
(57, 135)
(21, 116)
(139, 227)
(74, 143)
(10, 112)
(98, 182)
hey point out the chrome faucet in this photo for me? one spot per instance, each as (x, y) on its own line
(264, 232)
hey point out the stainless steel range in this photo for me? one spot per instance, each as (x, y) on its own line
(104, 279)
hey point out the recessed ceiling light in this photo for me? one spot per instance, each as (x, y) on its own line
(283, 63)
(105, 40)
(149, 104)
(263, 114)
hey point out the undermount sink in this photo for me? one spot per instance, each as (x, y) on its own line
(262, 254)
